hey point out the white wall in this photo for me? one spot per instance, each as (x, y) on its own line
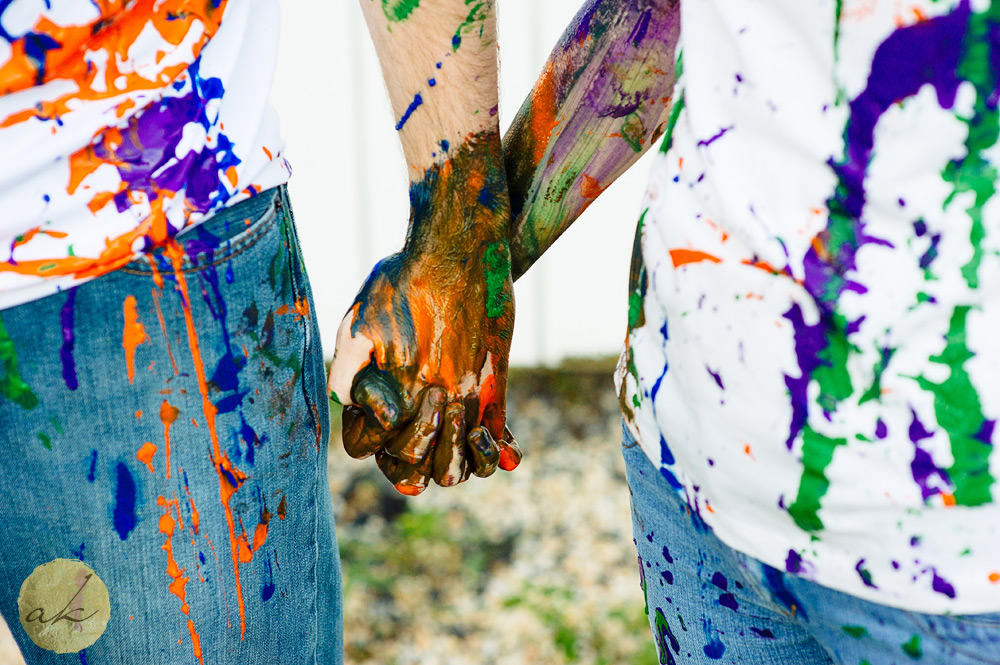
(349, 185)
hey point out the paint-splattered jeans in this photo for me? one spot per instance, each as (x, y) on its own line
(709, 603)
(167, 424)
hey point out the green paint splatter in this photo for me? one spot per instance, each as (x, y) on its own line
(817, 453)
(857, 632)
(55, 423)
(973, 173)
(633, 132)
(637, 280)
(46, 441)
(12, 386)
(668, 136)
(496, 270)
(477, 14)
(960, 414)
(912, 648)
(399, 10)
(832, 376)
(875, 391)
(663, 635)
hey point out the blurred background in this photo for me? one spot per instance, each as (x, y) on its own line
(534, 567)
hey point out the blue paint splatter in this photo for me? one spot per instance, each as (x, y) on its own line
(775, 582)
(93, 466)
(66, 351)
(417, 101)
(268, 589)
(640, 29)
(863, 573)
(715, 648)
(124, 517)
(941, 585)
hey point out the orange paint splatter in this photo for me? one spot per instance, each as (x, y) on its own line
(994, 577)
(176, 573)
(260, 533)
(138, 414)
(589, 187)
(282, 509)
(543, 114)
(195, 642)
(243, 550)
(173, 20)
(301, 309)
(230, 478)
(168, 415)
(145, 455)
(133, 335)
(682, 257)
(116, 253)
(948, 499)
(31, 233)
(408, 490)
(267, 152)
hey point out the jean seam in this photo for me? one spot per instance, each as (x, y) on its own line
(235, 249)
(299, 290)
(914, 617)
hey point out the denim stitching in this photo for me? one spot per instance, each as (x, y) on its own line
(970, 651)
(252, 237)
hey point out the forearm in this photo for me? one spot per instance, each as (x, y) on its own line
(439, 61)
(602, 100)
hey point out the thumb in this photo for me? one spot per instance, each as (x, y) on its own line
(350, 356)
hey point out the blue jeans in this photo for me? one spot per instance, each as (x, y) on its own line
(709, 603)
(167, 424)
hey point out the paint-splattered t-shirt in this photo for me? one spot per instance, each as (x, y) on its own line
(123, 122)
(814, 347)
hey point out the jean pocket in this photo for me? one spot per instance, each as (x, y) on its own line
(225, 235)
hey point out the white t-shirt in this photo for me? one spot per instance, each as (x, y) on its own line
(815, 363)
(122, 123)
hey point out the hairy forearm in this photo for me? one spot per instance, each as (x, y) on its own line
(439, 62)
(602, 100)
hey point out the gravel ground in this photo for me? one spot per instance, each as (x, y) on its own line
(534, 567)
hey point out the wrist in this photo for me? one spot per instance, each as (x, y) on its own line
(461, 203)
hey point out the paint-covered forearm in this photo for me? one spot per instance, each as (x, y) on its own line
(602, 100)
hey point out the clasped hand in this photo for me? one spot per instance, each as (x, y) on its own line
(421, 361)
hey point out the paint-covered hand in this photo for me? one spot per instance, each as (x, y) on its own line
(421, 358)
(421, 367)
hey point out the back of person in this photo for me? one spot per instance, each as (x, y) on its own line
(815, 365)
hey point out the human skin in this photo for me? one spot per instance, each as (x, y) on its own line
(600, 103)
(422, 354)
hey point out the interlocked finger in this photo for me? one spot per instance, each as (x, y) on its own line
(416, 439)
(450, 465)
(363, 436)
